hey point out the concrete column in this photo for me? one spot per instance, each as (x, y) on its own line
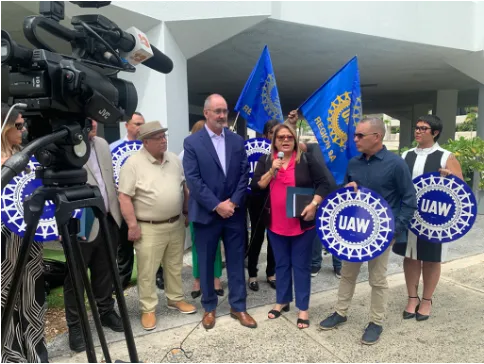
(446, 110)
(480, 133)
(406, 135)
(164, 97)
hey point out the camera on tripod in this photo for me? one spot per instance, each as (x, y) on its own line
(61, 94)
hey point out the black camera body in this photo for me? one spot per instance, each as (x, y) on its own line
(69, 86)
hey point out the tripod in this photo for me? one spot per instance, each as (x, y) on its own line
(73, 195)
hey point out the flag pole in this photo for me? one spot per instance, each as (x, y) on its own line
(235, 123)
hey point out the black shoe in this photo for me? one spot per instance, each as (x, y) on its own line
(196, 294)
(254, 286)
(112, 320)
(337, 272)
(421, 317)
(160, 283)
(372, 334)
(76, 339)
(272, 283)
(315, 271)
(409, 315)
(219, 292)
(332, 321)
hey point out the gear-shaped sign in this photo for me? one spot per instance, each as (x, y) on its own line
(355, 226)
(255, 148)
(447, 208)
(121, 153)
(13, 197)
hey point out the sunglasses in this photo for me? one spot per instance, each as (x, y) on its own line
(281, 138)
(138, 124)
(19, 126)
(422, 128)
(361, 135)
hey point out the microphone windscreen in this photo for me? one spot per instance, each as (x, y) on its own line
(159, 62)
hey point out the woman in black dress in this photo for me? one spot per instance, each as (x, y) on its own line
(421, 256)
(25, 341)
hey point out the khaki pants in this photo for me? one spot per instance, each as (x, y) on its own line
(160, 244)
(378, 282)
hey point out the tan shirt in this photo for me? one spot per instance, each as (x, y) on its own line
(156, 189)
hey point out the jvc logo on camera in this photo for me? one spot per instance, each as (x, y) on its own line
(105, 114)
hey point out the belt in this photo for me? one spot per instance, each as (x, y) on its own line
(169, 221)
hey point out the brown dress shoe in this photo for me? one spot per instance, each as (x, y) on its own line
(208, 321)
(148, 320)
(244, 318)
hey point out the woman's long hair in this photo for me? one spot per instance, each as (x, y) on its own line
(197, 126)
(8, 149)
(293, 133)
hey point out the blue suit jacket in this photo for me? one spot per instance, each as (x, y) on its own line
(206, 180)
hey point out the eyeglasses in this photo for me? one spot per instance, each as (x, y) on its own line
(361, 135)
(281, 138)
(422, 129)
(19, 126)
(220, 111)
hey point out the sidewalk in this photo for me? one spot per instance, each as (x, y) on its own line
(453, 333)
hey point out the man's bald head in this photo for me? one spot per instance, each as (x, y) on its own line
(216, 113)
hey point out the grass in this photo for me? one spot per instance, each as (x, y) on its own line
(55, 299)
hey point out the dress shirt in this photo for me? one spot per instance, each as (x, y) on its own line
(387, 174)
(219, 145)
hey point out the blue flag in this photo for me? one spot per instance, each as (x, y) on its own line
(333, 112)
(259, 100)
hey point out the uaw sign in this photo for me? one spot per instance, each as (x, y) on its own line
(447, 208)
(256, 148)
(355, 226)
(121, 153)
(13, 197)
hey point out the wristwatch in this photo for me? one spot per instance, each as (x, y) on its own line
(315, 203)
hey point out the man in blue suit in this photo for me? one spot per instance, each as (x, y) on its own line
(217, 173)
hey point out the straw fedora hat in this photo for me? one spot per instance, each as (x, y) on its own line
(149, 129)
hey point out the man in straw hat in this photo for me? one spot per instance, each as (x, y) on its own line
(153, 199)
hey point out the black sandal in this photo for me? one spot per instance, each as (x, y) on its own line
(302, 322)
(278, 314)
(408, 315)
(421, 317)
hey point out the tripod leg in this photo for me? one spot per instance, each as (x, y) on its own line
(23, 257)
(74, 268)
(103, 226)
(90, 296)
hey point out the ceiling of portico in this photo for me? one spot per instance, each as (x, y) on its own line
(394, 74)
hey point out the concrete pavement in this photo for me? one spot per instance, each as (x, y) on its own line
(453, 333)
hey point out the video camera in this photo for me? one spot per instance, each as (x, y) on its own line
(61, 91)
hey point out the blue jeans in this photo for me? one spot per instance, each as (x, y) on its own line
(317, 258)
(293, 256)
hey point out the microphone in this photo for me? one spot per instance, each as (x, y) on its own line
(137, 49)
(280, 155)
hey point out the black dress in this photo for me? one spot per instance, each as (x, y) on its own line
(25, 341)
(422, 161)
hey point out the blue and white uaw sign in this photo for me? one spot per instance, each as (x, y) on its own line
(447, 208)
(13, 197)
(256, 148)
(355, 226)
(121, 153)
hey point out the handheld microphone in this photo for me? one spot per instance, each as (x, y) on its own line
(137, 49)
(280, 155)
